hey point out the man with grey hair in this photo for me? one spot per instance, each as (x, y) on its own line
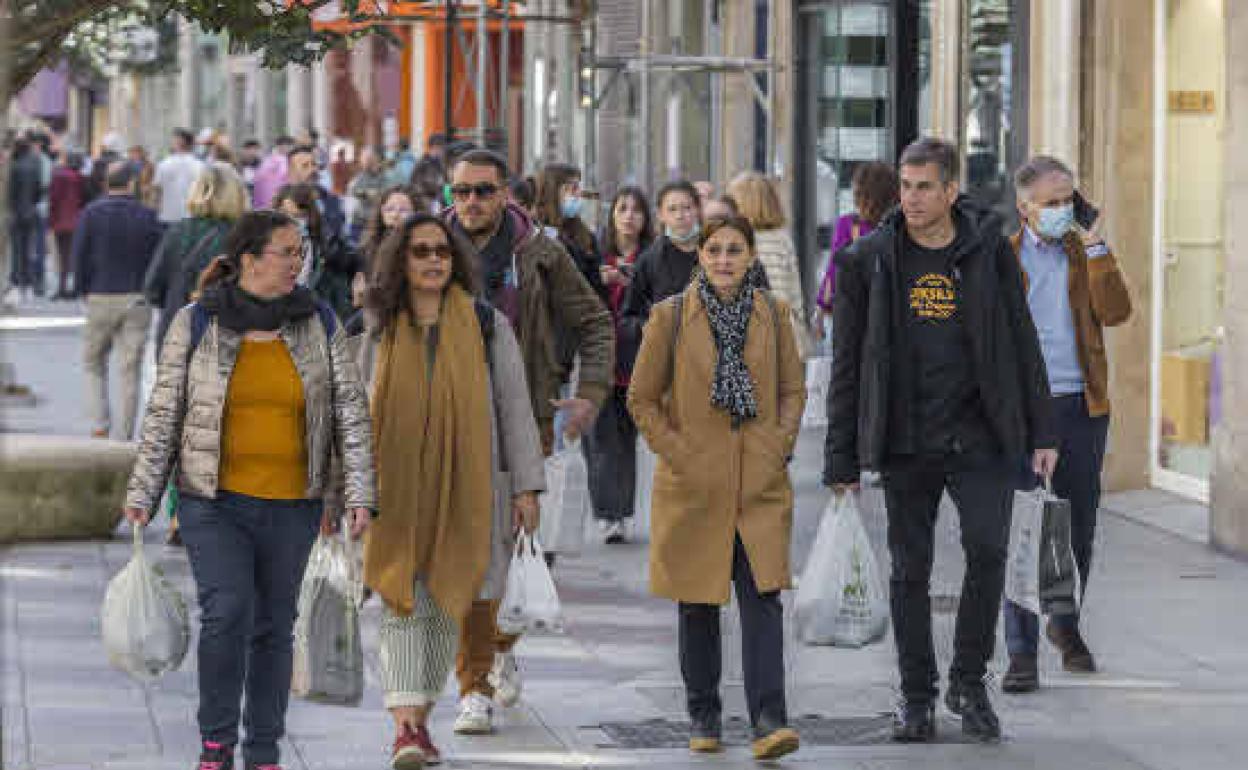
(937, 382)
(1074, 290)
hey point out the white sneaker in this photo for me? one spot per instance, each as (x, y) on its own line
(505, 679)
(476, 715)
(615, 533)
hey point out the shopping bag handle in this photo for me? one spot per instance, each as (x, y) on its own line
(136, 537)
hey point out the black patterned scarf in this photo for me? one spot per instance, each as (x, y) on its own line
(732, 389)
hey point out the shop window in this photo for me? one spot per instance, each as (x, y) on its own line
(994, 125)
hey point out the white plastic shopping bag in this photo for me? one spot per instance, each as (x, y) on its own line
(1041, 575)
(818, 380)
(530, 601)
(647, 461)
(1022, 573)
(565, 503)
(840, 597)
(143, 619)
(328, 665)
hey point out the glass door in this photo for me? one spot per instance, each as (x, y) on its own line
(1189, 266)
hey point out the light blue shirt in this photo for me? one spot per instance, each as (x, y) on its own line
(1048, 295)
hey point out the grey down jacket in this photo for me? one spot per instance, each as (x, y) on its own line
(182, 426)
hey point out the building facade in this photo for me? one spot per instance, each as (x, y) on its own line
(1140, 97)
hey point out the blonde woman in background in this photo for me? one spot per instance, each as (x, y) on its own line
(757, 201)
(216, 200)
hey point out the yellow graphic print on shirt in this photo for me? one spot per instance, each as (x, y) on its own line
(933, 297)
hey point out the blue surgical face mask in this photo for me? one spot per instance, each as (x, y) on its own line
(571, 206)
(694, 233)
(1054, 222)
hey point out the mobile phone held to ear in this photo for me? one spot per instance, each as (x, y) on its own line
(1085, 213)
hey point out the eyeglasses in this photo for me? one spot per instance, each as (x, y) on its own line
(462, 192)
(398, 210)
(294, 252)
(425, 251)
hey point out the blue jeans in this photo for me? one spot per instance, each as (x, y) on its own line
(248, 557)
(1081, 448)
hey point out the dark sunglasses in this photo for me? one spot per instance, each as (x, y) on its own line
(425, 251)
(461, 192)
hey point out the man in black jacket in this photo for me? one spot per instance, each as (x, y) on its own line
(938, 382)
(113, 245)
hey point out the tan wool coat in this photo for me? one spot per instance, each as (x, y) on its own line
(713, 482)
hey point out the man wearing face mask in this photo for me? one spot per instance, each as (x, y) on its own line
(1074, 289)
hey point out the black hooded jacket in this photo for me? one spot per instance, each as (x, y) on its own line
(872, 366)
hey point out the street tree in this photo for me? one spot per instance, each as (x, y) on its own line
(43, 32)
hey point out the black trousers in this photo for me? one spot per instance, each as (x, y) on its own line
(1077, 478)
(610, 450)
(762, 652)
(983, 493)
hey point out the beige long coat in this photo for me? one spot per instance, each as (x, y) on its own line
(712, 481)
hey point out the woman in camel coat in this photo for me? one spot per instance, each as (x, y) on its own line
(718, 391)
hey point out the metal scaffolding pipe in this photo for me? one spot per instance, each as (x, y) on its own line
(483, 49)
(504, 68)
(643, 135)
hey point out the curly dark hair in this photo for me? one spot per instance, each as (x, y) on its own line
(875, 190)
(388, 289)
(375, 231)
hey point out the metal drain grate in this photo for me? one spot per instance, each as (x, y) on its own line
(945, 604)
(814, 730)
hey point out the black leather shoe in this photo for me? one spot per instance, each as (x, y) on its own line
(914, 722)
(979, 721)
(1022, 676)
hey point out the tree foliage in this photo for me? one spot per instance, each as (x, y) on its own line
(42, 32)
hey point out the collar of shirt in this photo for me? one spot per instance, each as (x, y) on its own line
(1040, 244)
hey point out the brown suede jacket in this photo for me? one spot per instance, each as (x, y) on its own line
(1098, 298)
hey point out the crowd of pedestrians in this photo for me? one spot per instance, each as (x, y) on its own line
(401, 341)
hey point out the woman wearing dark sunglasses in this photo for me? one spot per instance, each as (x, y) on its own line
(451, 409)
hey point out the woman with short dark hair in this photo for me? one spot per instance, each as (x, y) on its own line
(253, 391)
(718, 392)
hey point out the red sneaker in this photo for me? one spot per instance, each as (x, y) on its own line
(432, 755)
(215, 756)
(407, 754)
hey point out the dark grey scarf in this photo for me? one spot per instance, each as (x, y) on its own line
(239, 311)
(732, 389)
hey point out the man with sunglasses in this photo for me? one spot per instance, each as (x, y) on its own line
(532, 280)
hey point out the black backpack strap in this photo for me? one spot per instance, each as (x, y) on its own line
(485, 319)
(199, 325)
(329, 319)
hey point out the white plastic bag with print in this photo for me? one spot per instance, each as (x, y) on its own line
(840, 598)
(565, 503)
(143, 620)
(328, 664)
(530, 601)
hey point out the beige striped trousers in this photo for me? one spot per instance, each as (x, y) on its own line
(417, 652)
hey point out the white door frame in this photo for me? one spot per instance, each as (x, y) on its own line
(1162, 478)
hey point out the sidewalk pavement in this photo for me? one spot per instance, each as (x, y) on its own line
(1164, 615)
